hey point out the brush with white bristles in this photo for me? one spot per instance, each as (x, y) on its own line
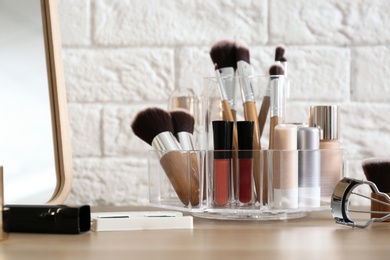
(155, 127)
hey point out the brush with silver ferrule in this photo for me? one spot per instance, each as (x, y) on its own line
(250, 113)
(222, 54)
(280, 57)
(154, 126)
(277, 100)
(265, 105)
(273, 85)
(183, 127)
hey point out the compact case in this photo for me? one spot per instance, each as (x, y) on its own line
(58, 219)
(287, 181)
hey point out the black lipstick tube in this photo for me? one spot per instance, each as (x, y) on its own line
(59, 219)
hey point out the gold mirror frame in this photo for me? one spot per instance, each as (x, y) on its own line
(58, 102)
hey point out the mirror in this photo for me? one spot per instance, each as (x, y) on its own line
(34, 139)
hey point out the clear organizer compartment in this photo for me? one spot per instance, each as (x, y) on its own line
(281, 184)
(289, 185)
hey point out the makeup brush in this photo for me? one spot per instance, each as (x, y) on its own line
(263, 113)
(155, 127)
(279, 53)
(223, 55)
(271, 100)
(377, 170)
(279, 57)
(276, 93)
(183, 125)
(248, 99)
(183, 128)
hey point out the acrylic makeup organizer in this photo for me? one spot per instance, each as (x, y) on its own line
(271, 194)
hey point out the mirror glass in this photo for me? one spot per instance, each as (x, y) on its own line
(26, 134)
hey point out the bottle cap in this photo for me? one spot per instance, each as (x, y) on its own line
(285, 137)
(223, 139)
(327, 119)
(308, 138)
(245, 138)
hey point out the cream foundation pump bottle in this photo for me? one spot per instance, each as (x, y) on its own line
(326, 118)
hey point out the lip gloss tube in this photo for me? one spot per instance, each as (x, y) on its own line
(245, 161)
(223, 139)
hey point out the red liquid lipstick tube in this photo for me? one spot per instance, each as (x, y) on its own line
(245, 161)
(223, 139)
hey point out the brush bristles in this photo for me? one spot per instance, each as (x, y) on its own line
(182, 122)
(276, 70)
(222, 54)
(279, 53)
(150, 122)
(377, 170)
(242, 52)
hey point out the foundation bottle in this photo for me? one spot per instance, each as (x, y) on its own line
(326, 118)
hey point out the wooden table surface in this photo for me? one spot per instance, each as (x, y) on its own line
(315, 236)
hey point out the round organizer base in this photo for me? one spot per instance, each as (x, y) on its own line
(250, 215)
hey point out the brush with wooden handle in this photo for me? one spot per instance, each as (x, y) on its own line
(223, 55)
(377, 170)
(155, 127)
(250, 113)
(183, 129)
(263, 113)
(277, 101)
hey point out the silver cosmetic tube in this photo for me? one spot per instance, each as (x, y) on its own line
(309, 167)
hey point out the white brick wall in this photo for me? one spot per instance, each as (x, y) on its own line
(121, 56)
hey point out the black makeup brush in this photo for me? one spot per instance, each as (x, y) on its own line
(155, 127)
(279, 53)
(377, 170)
(223, 55)
(280, 57)
(183, 128)
(248, 99)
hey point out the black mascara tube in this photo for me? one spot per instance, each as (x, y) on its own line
(58, 219)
